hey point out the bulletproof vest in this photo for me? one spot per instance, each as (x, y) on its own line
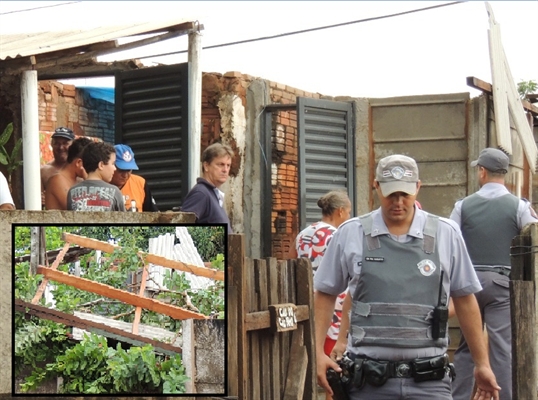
(488, 227)
(398, 288)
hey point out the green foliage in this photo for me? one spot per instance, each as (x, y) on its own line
(10, 160)
(37, 341)
(208, 240)
(26, 284)
(92, 367)
(526, 87)
(208, 301)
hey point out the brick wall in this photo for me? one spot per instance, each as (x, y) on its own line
(284, 171)
(64, 105)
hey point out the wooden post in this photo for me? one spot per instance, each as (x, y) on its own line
(35, 240)
(237, 281)
(305, 296)
(523, 311)
(524, 374)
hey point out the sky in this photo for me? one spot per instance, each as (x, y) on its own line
(427, 52)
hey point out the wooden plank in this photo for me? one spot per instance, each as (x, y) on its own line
(138, 311)
(149, 258)
(232, 362)
(254, 350)
(95, 327)
(305, 296)
(117, 294)
(264, 336)
(261, 319)
(272, 288)
(500, 100)
(297, 369)
(524, 346)
(523, 128)
(284, 297)
(238, 280)
(45, 281)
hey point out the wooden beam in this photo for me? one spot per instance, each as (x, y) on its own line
(138, 310)
(54, 266)
(150, 258)
(487, 88)
(118, 294)
(94, 327)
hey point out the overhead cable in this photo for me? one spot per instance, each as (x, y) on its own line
(307, 30)
(38, 8)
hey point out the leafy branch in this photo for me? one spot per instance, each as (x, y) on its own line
(10, 160)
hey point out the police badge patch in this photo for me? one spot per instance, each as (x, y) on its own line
(426, 267)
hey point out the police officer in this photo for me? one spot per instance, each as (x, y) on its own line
(489, 219)
(401, 265)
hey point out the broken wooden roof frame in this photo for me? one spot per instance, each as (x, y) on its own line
(137, 300)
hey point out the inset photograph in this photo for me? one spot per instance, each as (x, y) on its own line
(123, 310)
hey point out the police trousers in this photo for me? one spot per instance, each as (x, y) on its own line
(494, 304)
(404, 389)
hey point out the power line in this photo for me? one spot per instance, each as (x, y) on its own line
(308, 30)
(38, 8)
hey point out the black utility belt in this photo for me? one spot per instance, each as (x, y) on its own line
(500, 270)
(376, 372)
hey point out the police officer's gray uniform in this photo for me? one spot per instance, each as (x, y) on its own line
(343, 263)
(489, 219)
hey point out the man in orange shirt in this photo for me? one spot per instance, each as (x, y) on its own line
(134, 188)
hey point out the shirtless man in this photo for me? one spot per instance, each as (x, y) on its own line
(69, 175)
(60, 142)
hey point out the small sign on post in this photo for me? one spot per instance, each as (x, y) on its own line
(283, 317)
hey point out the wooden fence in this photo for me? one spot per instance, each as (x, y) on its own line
(271, 349)
(524, 309)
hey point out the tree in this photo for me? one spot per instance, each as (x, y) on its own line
(526, 87)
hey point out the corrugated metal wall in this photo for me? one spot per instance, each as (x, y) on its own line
(152, 118)
(326, 153)
(433, 131)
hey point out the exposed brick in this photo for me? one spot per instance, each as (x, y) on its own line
(233, 74)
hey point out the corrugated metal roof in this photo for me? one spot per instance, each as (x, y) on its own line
(30, 44)
(184, 251)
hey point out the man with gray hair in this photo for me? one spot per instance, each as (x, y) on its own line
(401, 264)
(489, 219)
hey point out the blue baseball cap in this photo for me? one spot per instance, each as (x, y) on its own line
(125, 157)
